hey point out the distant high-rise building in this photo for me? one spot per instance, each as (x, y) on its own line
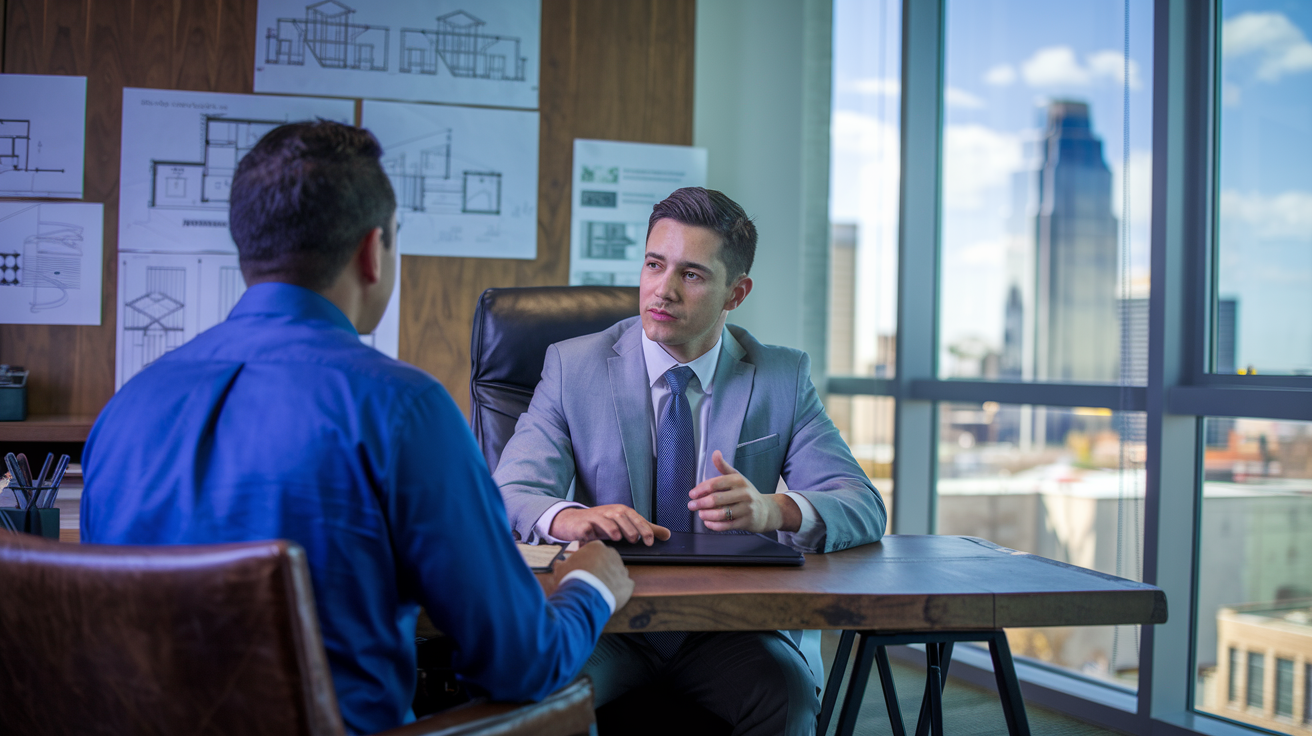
(1011, 366)
(1217, 429)
(1076, 252)
(842, 319)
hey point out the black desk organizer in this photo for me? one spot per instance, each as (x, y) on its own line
(32, 520)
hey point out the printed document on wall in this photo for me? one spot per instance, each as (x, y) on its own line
(615, 187)
(50, 263)
(466, 179)
(42, 135)
(180, 151)
(481, 52)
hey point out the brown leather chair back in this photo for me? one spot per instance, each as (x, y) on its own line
(219, 639)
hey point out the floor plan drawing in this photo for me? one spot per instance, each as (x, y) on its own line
(465, 178)
(461, 52)
(204, 184)
(427, 183)
(328, 33)
(463, 48)
(49, 255)
(42, 132)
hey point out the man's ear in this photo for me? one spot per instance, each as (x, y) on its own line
(741, 288)
(369, 256)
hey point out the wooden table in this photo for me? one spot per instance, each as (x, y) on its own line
(936, 590)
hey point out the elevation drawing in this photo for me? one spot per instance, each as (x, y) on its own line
(329, 34)
(204, 184)
(49, 262)
(430, 185)
(154, 320)
(464, 48)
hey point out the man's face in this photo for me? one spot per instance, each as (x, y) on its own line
(683, 292)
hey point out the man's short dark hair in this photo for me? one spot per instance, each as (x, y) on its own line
(714, 211)
(304, 197)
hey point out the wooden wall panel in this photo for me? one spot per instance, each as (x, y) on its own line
(611, 70)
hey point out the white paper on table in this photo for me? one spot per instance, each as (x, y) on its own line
(51, 263)
(386, 337)
(615, 186)
(180, 151)
(166, 299)
(481, 52)
(42, 135)
(466, 179)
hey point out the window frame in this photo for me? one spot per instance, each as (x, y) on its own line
(1181, 389)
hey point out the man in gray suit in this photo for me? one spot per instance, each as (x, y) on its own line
(673, 420)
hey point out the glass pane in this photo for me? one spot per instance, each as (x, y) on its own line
(1067, 484)
(1046, 193)
(1255, 590)
(863, 190)
(1263, 321)
(866, 423)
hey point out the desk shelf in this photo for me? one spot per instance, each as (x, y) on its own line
(47, 428)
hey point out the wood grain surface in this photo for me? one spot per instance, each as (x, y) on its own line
(904, 583)
(610, 70)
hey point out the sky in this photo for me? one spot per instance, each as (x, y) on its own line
(1005, 60)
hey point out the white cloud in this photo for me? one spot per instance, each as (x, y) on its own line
(1286, 216)
(1231, 93)
(876, 86)
(956, 97)
(1058, 66)
(1002, 75)
(977, 161)
(1283, 47)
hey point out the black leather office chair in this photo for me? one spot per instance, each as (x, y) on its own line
(512, 330)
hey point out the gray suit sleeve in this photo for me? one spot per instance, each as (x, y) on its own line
(537, 464)
(820, 466)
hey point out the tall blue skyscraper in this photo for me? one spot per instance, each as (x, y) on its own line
(1076, 311)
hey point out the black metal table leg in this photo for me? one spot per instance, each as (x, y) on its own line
(856, 687)
(1013, 706)
(936, 656)
(835, 682)
(890, 691)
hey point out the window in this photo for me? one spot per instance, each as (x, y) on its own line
(1307, 693)
(1285, 687)
(1232, 676)
(1263, 306)
(1256, 663)
(1044, 246)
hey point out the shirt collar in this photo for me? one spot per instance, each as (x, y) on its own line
(297, 302)
(659, 361)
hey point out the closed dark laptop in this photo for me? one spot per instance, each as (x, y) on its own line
(683, 548)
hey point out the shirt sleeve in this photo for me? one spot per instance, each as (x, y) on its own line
(810, 536)
(453, 545)
(543, 525)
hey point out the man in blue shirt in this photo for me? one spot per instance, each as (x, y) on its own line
(280, 423)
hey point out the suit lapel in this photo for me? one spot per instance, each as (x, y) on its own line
(731, 393)
(632, 395)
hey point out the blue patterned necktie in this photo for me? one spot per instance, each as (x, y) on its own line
(676, 474)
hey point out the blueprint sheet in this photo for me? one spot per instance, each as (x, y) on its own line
(42, 135)
(50, 263)
(615, 187)
(482, 52)
(466, 179)
(180, 151)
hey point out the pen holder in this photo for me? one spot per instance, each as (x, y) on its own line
(32, 520)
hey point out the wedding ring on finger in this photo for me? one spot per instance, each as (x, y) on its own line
(728, 514)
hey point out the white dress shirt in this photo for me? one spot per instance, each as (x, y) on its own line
(810, 536)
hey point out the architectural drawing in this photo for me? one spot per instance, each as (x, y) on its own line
(49, 262)
(42, 135)
(204, 184)
(330, 36)
(614, 241)
(154, 322)
(15, 148)
(464, 49)
(428, 184)
(231, 287)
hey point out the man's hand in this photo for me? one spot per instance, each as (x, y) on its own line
(603, 562)
(732, 502)
(613, 521)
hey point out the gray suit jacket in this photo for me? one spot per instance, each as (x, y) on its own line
(590, 422)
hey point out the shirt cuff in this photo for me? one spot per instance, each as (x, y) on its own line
(595, 582)
(811, 533)
(543, 525)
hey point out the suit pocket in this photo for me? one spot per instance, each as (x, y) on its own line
(756, 447)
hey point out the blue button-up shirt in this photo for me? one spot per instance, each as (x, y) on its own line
(279, 423)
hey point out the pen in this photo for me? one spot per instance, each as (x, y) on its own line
(41, 479)
(55, 480)
(17, 479)
(26, 479)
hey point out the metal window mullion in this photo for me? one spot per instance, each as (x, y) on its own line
(915, 425)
